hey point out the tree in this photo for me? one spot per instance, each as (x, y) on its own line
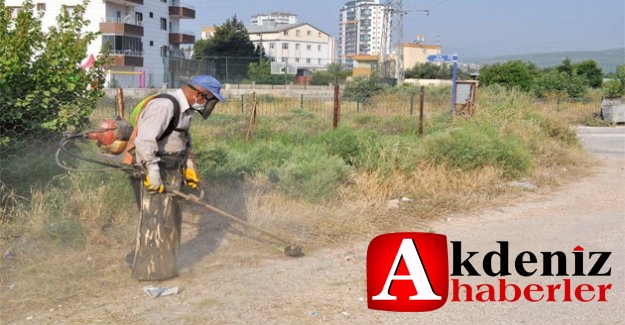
(615, 87)
(561, 84)
(566, 66)
(429, 70)
(338, 72)
(591, 71)
(335, 73)
(43, 86)
(261, 73)
(512, 74)
(229, 51)
(230, 39)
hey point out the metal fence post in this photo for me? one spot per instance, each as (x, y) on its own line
(421, 97)
(242, 105)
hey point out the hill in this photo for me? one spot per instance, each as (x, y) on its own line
(606, 59)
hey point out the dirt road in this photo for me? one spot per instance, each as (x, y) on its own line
(329, 286)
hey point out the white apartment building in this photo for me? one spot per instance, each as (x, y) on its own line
(276, 17)
(302, 48)
(143, 34)
(361, 28)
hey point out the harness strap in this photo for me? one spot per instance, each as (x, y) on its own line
(171, 127)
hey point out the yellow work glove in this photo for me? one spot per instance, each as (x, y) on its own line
(190, 175)
(153, 182)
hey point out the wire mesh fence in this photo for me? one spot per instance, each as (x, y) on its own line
(27, 152)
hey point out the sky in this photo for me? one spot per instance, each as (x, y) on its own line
(472, 29)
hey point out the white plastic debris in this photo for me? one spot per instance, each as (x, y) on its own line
(155, 292)
(523, 185)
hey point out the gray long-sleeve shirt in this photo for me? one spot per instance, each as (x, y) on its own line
(154, 120)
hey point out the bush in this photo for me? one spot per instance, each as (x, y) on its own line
(351, 145)
(471, 147)
(613, 88)
(554, 81)
(311, 173)
(362, 89)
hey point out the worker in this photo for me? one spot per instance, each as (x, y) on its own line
(162, 147)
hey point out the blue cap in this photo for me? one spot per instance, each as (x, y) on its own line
(209, 83)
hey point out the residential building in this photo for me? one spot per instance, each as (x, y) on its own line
(208, 32)
(143, 35)
(301, 48)
(276, 17)
(364, 65)
(418, 52)
(414, 53)
(362, 29)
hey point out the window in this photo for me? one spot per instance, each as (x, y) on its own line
(272, 45)
(307, 60)
(14, 11)
(151, 43)
(151, 14)
(285, 46)
(297, 46)
(69, 9)
(41, 7)
(139, 18)
(318, 48)
(163, 24)
(308, 33)
(308, 47)
(125, 45)
(286, 33)
(297, 32)
(297, 60)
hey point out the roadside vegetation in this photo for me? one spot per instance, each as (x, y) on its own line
(294, 175)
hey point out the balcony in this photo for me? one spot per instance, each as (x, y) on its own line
(126, 2)
(127, 58)
(120, 27)
(178, 36)
(181, 38)
(181, 11)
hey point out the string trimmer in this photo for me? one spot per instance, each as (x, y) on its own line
(290, 249)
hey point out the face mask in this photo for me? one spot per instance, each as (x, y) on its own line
(207, 108)
(197, 106)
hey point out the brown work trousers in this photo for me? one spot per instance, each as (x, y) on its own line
(158, 237)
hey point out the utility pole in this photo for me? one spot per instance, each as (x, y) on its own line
(383, 62)
(393, 28)
(399, 65)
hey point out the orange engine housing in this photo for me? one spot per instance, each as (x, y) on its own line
(112, 135)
